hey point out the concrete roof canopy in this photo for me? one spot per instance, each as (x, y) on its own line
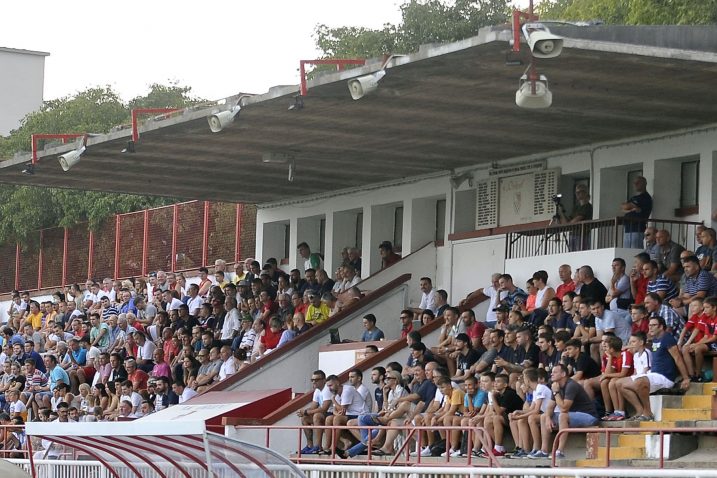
(444, 107)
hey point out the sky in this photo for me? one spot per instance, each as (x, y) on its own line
(219, 47)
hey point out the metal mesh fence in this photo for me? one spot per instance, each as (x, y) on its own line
(159, 242)
(190, 235)
(7, 266)
(53, 245)
(103, 262)
(29, 257)
(78, 250)
(131, 239)
(222, 235)
(194, 247)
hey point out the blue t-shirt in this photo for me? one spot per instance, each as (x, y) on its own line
(662, 361)
(80, 356)
(478, 400)
(427, 391)
(57, 374)
(372, 335)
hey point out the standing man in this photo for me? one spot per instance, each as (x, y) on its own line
(312, 260)
(638, 207)
(491, 292)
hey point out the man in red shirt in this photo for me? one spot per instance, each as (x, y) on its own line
(474, 329)
(388, 257)
(271, 336)
(406, 322)
(566, 279)
(638, 281)
(135, 375)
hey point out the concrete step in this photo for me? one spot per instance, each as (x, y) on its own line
(707, 388)
(622, 453)
(695, 401)
(594, 463)
(631, 440)
(675, 414)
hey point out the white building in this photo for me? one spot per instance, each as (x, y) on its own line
(21, 85)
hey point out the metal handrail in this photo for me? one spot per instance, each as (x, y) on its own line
(609, 431)
(485, 440)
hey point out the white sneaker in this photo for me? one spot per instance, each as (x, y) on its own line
(446, 452)
(456, 453)
(426, 451)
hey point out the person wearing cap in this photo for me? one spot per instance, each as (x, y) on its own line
(393, 412)
(318, 311)
(371, 332)
(501, 316)
(465, 356)
(388, 257)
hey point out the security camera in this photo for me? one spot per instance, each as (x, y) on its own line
(363, 85)
(218, 121)
(542, 43)
(68, 160)
(533, 94)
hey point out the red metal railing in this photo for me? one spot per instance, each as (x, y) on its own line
(402, 455)
(180, 237)
(611, 431)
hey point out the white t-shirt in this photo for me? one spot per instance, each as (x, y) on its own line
(174, 305)
(320, 396)
(135, 399)
(544, 393)
(195, 305)
(352, 399)
(187, 394)
(641, 362)
(495, 298)
(228, 368)
(231, 324)
(145, 351)
(17, 407)
(428, 301)
(367, 398)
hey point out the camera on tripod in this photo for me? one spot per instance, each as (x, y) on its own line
(557, 199)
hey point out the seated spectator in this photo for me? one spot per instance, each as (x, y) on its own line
(579, 365)
(182, 391)
(465, 357)
(549, 354)
(228, 366)
(487, 380)
(492, 293)
(698, 284)
(571, 407)
(315, 414)
(666, 362)
(445, 345)
(406, 322)
(515, 297)
(388, 257)
(543, 293)
(289, 333)
(371, 332)
(639, 316)
(326, 284)
(668, 256)
(557, 317)
(638, 281)
(525, 423)
(642, 358)
(318, 311)
(441, 302)
(348, 404)
(702, 339)
(616, 364)
(504, 401)
(687, 336)
(473, 329)
(429, 296)
(270, 340)
(619, 292)
(209, 367)
(656, 308)
(591, 289)
(707, 251)
(145, 351)
(658, 283)
(427, 316)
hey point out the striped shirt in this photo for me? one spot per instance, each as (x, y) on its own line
(703, 281)
(663, 284)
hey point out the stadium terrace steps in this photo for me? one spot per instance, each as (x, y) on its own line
(694, 409)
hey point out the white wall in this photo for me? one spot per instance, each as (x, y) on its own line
(21, 87)
(600, 260)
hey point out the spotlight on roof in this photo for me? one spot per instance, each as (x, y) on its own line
(542, 43)
(68, 160)
(458, 180)
(218, 121)
(533, 94)
(364, 85)
(129, 148)
(29, 169)
(298, 103)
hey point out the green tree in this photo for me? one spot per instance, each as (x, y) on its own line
(422, 21)
(632, 12)
(24, 209)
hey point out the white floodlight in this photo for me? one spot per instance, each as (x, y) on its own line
(542, 43)
(364, 85)
(527, 97)
(68, 160)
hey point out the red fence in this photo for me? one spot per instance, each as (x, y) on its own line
(180, 237)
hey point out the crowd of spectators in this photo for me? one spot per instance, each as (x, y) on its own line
(542, 358)
(118, 350)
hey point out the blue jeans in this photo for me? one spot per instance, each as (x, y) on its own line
(362, 446)
(576, 419)
(633, 240)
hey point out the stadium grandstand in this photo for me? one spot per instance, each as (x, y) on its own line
(444, 283)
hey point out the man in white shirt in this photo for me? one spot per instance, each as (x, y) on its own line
(195, 302)
(230, 328)
(492, 292)
(228, 365)
(315, 413)
(348, 405)
(183, 392)
(356, 381)
(145, 351)
(131, 396)
(428, 297)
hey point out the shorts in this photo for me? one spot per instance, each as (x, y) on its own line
(657, 381)
(577, 419)
(352, 417)
(43, 394)
(713, 347)
(89, 373)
